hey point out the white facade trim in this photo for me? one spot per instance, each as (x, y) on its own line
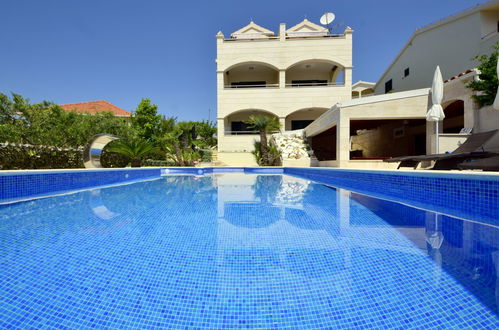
(383, 98)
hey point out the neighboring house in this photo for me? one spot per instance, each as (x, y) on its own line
(362, 88)
(362, 132)
(295, 76)
(94, 107)
(450, 43)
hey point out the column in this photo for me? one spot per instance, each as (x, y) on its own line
(348, 77)
(282, 78)
(220, 133)
(343, 140)
(470, 112)
(282, 123)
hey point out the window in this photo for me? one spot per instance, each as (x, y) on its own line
(240, 126)
(388, 86)
(406, 72)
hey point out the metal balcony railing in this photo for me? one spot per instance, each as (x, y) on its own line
(241, 133)
(287, 85)
(245, 132)
(252, 86)
(315, 84)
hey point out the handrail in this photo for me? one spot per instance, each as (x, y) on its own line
(286, 85)
(253, 86)
(245, 132)
(240, 132)
(315, 84)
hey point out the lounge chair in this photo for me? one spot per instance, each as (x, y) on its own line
(478, 145)
(485, 164)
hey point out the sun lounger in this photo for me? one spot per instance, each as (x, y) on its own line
(478, 145)
(485, 164)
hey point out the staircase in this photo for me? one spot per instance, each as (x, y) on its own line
(214, 161)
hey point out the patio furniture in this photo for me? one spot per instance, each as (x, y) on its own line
(478, 145)
(484, 164)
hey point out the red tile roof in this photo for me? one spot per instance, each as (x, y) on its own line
(459, 75)
(94, 107)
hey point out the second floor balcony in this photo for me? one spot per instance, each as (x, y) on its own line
(310, 73)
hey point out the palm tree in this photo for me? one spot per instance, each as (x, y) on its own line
(264, 125)
(135, 149)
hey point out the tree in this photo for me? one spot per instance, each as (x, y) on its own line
(47, 124)
(206, 132)
(146, 120)
(487, 85)
(135, 149)
(264, 125)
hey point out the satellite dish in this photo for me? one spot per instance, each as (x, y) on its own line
(327, 18)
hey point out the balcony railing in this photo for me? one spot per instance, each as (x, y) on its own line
(241, 133)
(287, 85)
(315, 84)
(252, 86)
(245, 132)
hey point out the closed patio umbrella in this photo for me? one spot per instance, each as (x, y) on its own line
(496, 101)
(436, 113)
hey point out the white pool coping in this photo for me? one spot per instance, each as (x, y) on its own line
(474, 175)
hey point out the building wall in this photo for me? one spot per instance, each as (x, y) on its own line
(404, 105)
(451, 46)
(381, 142)
(281, 54)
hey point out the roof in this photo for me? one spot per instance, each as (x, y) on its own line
(94, 107)
(306, 28)
(459, 75)
(437, 24)
(367, 84)
(252, 30)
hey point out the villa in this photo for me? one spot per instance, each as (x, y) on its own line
(295, 76)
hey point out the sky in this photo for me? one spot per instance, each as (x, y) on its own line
(68, 51)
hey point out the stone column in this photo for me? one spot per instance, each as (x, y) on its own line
(470, 108)
(348, 77)
(282, 78)
(282, 123)
(343, 140)
(220, 133)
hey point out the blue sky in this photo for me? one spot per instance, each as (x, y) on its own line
(69, 51)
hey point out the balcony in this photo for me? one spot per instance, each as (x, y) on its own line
(310, 73)
(251, 75)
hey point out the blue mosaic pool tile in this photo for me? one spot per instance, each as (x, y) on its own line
(235, 250)
(29, 184)
(472, 197)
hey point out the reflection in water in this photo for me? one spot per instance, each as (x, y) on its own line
(283, 213)
(98, 207)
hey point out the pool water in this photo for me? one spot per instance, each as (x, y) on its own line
(240, 250)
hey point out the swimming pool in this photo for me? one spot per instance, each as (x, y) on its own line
(262, 248)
